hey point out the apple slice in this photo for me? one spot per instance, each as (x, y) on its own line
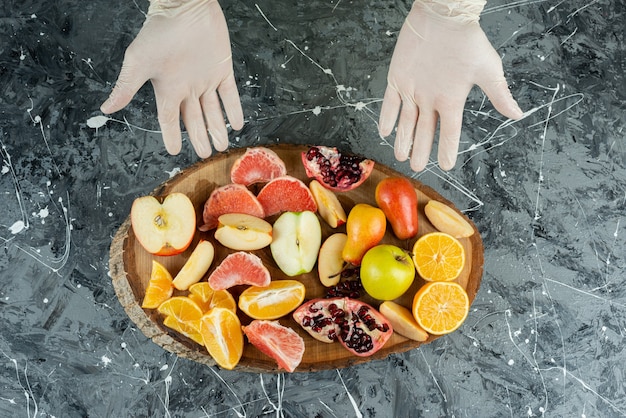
(296, 242)
(447, 220)
(164, 228)
(242, 232)
(330, 260)
(196, 266)
(328, 206)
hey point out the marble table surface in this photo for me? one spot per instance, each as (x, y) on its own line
(545, 335)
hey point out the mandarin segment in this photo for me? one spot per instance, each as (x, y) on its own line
(188, 329)
(273, 301)
(438, 257)
(223, 337)
(207, 298)
(181, 308)
(159, 288)
(440, 307)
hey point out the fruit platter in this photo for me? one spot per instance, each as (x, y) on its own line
(294, 258)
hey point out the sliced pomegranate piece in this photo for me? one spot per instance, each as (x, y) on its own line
(334, 170)
(322, 318)
(366, 330)
(359, 327)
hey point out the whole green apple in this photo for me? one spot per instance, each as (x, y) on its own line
(387, 272)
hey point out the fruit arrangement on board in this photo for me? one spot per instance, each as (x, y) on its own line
(225, 304)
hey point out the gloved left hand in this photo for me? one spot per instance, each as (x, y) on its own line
(183, 48)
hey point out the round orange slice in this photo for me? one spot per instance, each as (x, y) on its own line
(273, 301)
(223, 337)
(440, 307)
(438, 257)
(159, 288)
(207, 298)
(181, 308)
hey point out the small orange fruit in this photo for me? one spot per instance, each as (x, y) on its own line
(188, 329)
(207, 298)
(273, 301)
(440, 307)
(159, 288)
(223, 336)
(438, 257)
(181, 308)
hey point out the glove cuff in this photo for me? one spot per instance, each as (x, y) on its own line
(172, 8)
(460, 11)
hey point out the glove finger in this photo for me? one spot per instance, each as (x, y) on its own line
(497, 90)
(169, 121)
(450, 122)
(423, 140)
(215, 120)
(232, 104)
(406, 129)
(128, 83)
(389, 111)
(193, 119)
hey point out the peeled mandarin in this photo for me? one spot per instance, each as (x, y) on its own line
(223, 337)
(273, 301)
(159, 288)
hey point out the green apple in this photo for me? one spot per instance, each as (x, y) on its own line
(386, 272)
(296, 241)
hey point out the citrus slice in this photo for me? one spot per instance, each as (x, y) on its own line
(286, 194)
(188, 329)
(223, 337)
(440, 307)
(438, 257)
(207, 298)
(181, 308)
(159, 288)
(273, 301)
(230, 198)
(281, 343)
(257, 165)
(240, 268)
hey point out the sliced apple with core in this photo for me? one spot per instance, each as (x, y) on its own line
(164, 228)
(242, 232)
(328, 206)
(330, 260)
(196, 266)
(297, 237)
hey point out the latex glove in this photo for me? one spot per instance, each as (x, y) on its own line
(440, 54)
(183, 48)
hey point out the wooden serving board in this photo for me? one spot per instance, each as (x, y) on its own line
(131, 265)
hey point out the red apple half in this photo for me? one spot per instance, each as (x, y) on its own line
(164, 228)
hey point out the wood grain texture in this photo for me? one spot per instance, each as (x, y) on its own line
(130, 265)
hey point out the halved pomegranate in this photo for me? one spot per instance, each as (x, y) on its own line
(334, 170)
(359, 327)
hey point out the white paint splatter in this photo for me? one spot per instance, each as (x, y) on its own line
(96, 122)
(174, 171)
(17, 227)
(106, 361)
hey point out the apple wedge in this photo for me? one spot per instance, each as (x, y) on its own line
(242, 232)
(164, 228)
(447, 220)
(196, 266)
(328, 206)
(297, 237)
(330, 261)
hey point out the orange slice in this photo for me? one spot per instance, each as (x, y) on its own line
(223, 337)
(273, 301)
(181, 308)
(207, 298)
(438, 257)
(159, 288)
(440, 307)
(188, 329)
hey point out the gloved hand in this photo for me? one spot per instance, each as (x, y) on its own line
(183, 48)
(440, 54)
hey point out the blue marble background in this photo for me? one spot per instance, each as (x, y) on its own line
(545, 335)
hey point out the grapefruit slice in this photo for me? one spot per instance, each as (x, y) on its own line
(231, 198)
(286, 194)
(240, 268)
(257, 165)
(281, 343)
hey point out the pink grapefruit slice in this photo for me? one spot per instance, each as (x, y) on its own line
(239, 268)
(281, 343)
(257, 165)
(230, 198)
(286, 194)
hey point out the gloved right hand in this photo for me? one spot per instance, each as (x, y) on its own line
(183, 48)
